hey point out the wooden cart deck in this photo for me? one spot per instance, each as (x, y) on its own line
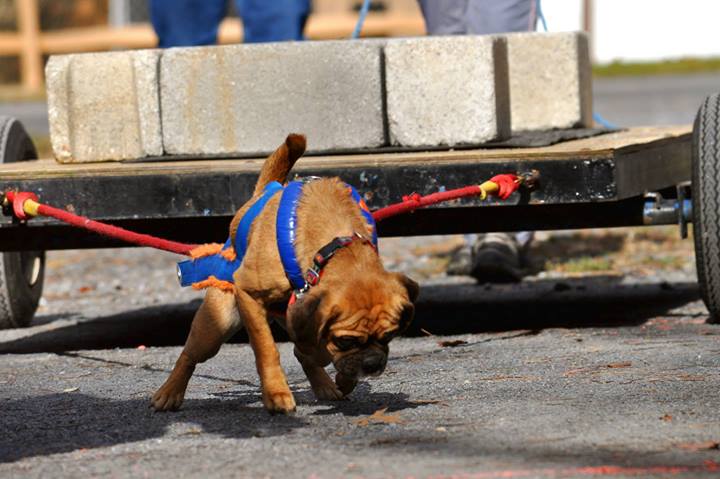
(192, 199)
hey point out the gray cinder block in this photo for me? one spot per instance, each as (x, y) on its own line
(550, 80)
(244, 99)
(104, 106)
(447, 90)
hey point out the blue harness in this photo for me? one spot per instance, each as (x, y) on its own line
(221, 268)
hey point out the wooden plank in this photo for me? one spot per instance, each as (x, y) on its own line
(31, 43)
(604, 146)
(658, 165)
(319, 27)
(210, 192)
(30, 55)
(10, 43)
(340, 26)
(591, 183)
(329, 26)
(90, 39)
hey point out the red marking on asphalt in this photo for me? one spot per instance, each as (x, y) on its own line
(707, 466)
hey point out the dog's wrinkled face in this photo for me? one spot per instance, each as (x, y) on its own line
(353, 323)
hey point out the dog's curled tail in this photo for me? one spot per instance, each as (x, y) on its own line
(278, 164)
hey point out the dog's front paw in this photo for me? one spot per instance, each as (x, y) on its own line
(328, 392)
(323, 387)
(345, 384)
(281, 402)
(167, 399)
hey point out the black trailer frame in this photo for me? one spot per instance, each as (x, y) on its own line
(621, 178)
(593, 182)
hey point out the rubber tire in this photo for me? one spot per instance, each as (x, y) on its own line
(706, 202)
(21, 273)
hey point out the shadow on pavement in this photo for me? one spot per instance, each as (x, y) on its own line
(361, 402)
(166, 325)
(602, 301)
(58, 423)
(90, 357)
(61, 423)
(441, 309)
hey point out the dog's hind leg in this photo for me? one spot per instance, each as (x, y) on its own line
(280, 162)
(215, 322)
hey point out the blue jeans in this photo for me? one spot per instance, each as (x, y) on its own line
(195, 22)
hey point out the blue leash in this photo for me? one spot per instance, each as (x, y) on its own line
(363, 14)
(603, 122)
(596, 116)
(540, 15)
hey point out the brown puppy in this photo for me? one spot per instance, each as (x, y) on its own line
(347, 319)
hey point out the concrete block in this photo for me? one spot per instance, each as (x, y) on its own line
(104, 106)
(447, 90)
(550, 80)
(244, 99)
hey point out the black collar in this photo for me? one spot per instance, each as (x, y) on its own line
(321, 259)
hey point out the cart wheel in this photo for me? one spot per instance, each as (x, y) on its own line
(21, 273)
(706, 202)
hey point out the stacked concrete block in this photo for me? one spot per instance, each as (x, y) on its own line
(104, 106)
(244, 99)
(550, 80)
(447, 91)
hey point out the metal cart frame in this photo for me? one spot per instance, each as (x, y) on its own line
(638, 176)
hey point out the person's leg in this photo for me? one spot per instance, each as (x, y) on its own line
(500, 257)
(273, 20)
(500, 16)
(496, 258)
(524, 238)
(444, 17)
(492, 257)
(460, 262)
(182, 23)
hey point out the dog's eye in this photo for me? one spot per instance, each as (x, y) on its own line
(345, 343)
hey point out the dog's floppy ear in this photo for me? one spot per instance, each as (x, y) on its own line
(303, 323)
(406, 317)
(408, 312)
(413, 289)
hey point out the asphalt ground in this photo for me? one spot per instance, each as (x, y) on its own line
(620, 401)
(569, 374)
(565, 375)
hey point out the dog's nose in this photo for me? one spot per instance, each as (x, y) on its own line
(372, 364)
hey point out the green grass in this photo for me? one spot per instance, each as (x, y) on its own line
(584, 264)
(669, 67)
